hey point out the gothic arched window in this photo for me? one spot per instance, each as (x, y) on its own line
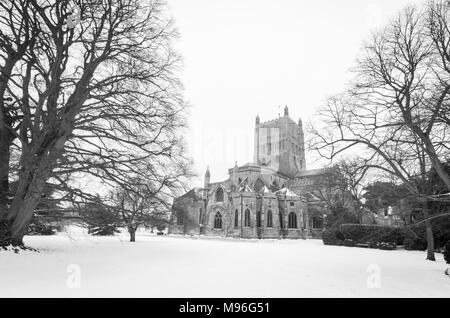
(269, 219)
(219, 195)
(236, 218)
(292, 223)
(218, 221)
(258, 186)
(247, 218)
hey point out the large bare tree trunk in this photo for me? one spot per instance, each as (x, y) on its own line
(29, 190)
(20, 215)
(6, 139)
(430, 236)
(22, 220)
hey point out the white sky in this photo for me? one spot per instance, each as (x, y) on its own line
(248, 57)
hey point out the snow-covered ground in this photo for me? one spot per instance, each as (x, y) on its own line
(78, 265)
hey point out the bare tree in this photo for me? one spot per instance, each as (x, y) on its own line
(340, 188)
(354, 171)
(393, 111)
(88, 89)
(148, 202)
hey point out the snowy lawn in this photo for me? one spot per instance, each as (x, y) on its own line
(170, 266)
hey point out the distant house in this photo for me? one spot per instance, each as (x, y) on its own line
(407, 211)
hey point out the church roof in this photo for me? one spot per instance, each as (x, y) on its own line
(243, 182)
(250, 165)
(287, 192)
(194, 193)
(266, 190)
(276, 121)
(245, 188)
(310, 173)
(312, 197)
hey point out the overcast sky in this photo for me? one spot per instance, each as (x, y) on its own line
(249, 57)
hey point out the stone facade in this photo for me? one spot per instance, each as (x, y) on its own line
(279, 143)
(258, 200)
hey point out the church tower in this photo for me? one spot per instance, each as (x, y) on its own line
(279, 144)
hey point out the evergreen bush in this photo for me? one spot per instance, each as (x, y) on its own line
(370, 234)
(39, 226)
(447, 252)
(105, 230)
(332, 237)
(414, 243)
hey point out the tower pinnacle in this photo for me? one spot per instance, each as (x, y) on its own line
(207, 178)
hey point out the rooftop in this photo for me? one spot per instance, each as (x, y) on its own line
(308, 173)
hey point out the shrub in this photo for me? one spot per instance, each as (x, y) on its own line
(100, 220)
(386, 245)
(161, 226)
(332, 237)
(373, 244)
(349, 243)
(376, 236)
(414, 242)
(39, 226)
(371, 234)
(106, 230)
(447, 252)
(416, 236)
(441, 232)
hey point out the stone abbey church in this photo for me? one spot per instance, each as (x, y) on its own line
(270, 198)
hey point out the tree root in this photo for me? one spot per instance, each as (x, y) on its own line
(17, 249)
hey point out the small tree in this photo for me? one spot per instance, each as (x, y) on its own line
(143, 204)
(338, 188)
(99, 218)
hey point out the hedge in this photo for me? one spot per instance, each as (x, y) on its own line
(332, 237)
(413, 242)
(106, 230)
(371, 234)
(447, 252)
(415, 237)
(42, 226)
(378, 236)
